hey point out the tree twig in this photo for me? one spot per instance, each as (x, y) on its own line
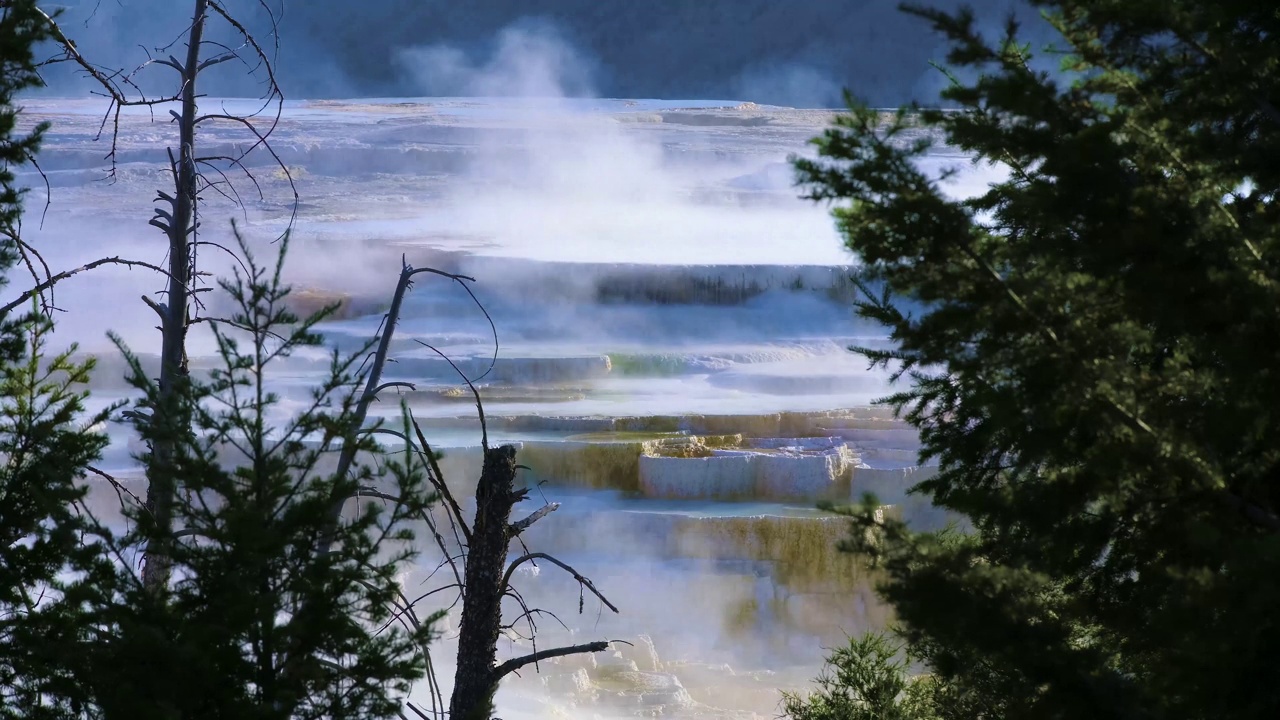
(582, 580)
(437, 479)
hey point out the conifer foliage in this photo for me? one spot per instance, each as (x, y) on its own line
(284, 601)
(275, 611)
(45, 446)
(1090, 354)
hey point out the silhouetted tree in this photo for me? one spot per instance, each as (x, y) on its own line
(261, 596)
(868, 679)
(257, 623)
(48, 551)
(1090, 357)
(194, 174)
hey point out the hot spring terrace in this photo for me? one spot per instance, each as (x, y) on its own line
(672, 359)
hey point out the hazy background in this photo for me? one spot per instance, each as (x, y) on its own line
(797, 53)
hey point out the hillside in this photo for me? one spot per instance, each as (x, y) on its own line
(790, 52)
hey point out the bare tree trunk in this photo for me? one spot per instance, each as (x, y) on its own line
(174, 321)
(475, 679)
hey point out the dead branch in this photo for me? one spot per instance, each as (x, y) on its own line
(110, 87)
(53, 280)
(431, 525)
(394, 383)
(582, 580)
(437, 479)
(416, 711)
(119, 487)
(180, 219)
(484, 428)
(520, 526)
(28, 252)
(483, 583)
(514, 664)
(347, 457)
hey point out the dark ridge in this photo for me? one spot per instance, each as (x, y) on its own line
(785, 52)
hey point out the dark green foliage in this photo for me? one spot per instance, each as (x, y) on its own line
(866, 680)
(21, 28)
(260, 621)
(50, 555)
(47, 546)
(1091, 356)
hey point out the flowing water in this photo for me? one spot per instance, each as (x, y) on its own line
(672, 360)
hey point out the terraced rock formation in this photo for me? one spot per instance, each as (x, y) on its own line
(671, 362)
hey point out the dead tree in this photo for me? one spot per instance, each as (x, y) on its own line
(485, 578)
(482, 607)
(488, 582)
(177, 217)
(483, 550)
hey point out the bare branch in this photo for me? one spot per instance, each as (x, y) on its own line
(426, 515)
(117, 485)
(379, 360)
(416, 711)
(514, 664)
(69, 273)
(48, 189)
(582, 580)
(218, 60)
(173, 63)
(392, 384)
(520, 526)
(27, 253)
(386, 431)
(437, 479)
(224, 248)
(156, 307)
(484, 427)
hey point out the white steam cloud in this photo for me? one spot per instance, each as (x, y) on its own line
(530, 59)
(549, 175)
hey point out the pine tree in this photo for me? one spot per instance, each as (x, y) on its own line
(262, 621)
(275, 611)
(48, 550)
(868, 679)
(1088, 350)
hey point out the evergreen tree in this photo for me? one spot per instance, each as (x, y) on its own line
(1090, 355)
(281, 607)
(868, 679)
(48, 550)
(261, 621)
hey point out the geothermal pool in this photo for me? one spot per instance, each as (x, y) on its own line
(672, 327)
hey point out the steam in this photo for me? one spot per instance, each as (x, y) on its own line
(793, 84)
(568, 183)
(758, 50)
(530, 59)
(545, 197)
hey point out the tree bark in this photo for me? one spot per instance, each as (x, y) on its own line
(173, 353)
(476, 679)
